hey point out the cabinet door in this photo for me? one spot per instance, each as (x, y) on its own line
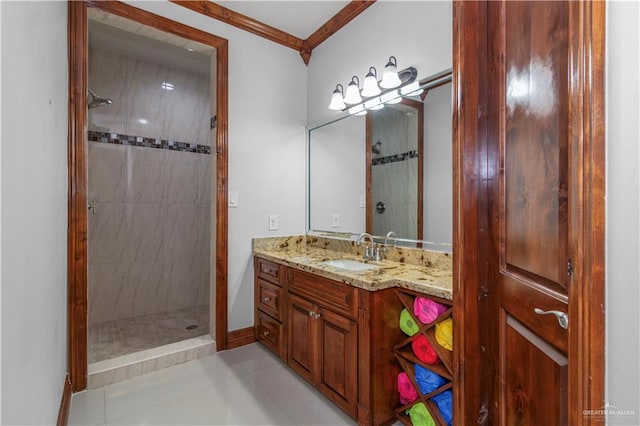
(337, 372)
(302, 337)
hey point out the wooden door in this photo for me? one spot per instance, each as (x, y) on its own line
(530, 198)
(528, 126)
(302, 339)
(337, 363)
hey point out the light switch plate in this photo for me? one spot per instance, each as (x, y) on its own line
(335, 220)
(273, 222)
(363, 202)
(233, 199)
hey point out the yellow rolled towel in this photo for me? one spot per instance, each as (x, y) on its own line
(444, 334)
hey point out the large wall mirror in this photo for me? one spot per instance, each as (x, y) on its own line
(388, 170)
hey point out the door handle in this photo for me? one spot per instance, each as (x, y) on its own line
(266, 299)
(563, 319)
(92, 207)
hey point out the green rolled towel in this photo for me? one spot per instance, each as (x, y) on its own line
(407, 324)
(420, 416)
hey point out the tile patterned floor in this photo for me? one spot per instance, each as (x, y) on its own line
(243, 386)
(121, 337)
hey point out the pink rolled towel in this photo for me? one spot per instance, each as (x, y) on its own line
(427, 310)
(407, 392)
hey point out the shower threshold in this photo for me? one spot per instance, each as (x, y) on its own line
(124, 367)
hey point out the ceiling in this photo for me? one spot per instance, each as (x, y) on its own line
(125, 37)
(298, 24)
(299, 18)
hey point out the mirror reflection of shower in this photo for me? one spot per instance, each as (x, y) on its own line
(96, 101)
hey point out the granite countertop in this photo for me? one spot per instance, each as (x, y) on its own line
(430, 277)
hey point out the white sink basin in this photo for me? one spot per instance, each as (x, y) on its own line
(349, 265)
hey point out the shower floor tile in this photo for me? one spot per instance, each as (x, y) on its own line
(121, 337)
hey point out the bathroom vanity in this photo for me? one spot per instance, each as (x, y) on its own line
(333, 318)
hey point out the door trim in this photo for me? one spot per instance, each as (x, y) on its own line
(77, 299)
(474, 369)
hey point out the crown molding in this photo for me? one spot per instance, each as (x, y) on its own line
(304, 47)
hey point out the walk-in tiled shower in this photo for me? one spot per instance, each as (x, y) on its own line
(149, 170)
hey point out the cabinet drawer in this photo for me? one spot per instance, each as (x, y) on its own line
(269, 332)
(269, 298)
(269, 270)
(334, 295)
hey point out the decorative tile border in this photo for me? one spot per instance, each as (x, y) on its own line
(127, 140)
(394, 158)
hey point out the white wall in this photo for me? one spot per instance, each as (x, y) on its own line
(623, 209)
(337, 175)
(267, 118)
(417, 33)
(438, 166)
(34, 210)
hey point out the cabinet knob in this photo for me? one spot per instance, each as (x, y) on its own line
(265, 333)
(266, 299)
(311, 313)
(316, 316)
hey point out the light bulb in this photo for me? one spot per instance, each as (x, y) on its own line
(353, 92)
(412, 89)
(374, 104)
(391, 97)
(337, 103)
(370, 85)
(357, 110)
(390, 77)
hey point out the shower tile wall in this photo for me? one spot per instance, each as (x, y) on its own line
(149, 239)
(395, 183)
(143, 105)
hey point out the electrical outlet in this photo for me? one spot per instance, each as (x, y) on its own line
(363, 202)
(273, 222)
(335, 220)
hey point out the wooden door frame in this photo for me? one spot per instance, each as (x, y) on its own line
(77, 299)
(474, 165)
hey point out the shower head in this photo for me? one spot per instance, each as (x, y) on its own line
(376, 147)
(97, 101)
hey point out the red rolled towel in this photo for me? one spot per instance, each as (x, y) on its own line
(408, 392)
(424, 351)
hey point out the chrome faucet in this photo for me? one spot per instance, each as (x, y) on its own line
(390, 235)
(368, 249)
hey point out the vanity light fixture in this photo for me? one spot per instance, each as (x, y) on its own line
(353, 92)
(337, 101)
(374, 104)
(372, 97)
(391, 97)
(412, 89)
(357, 110)
(390, 78)
(370, 85)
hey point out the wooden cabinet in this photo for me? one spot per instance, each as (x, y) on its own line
(323, 338)
(337, 361)
(302, 337)
(269, 307)
(337, 337)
